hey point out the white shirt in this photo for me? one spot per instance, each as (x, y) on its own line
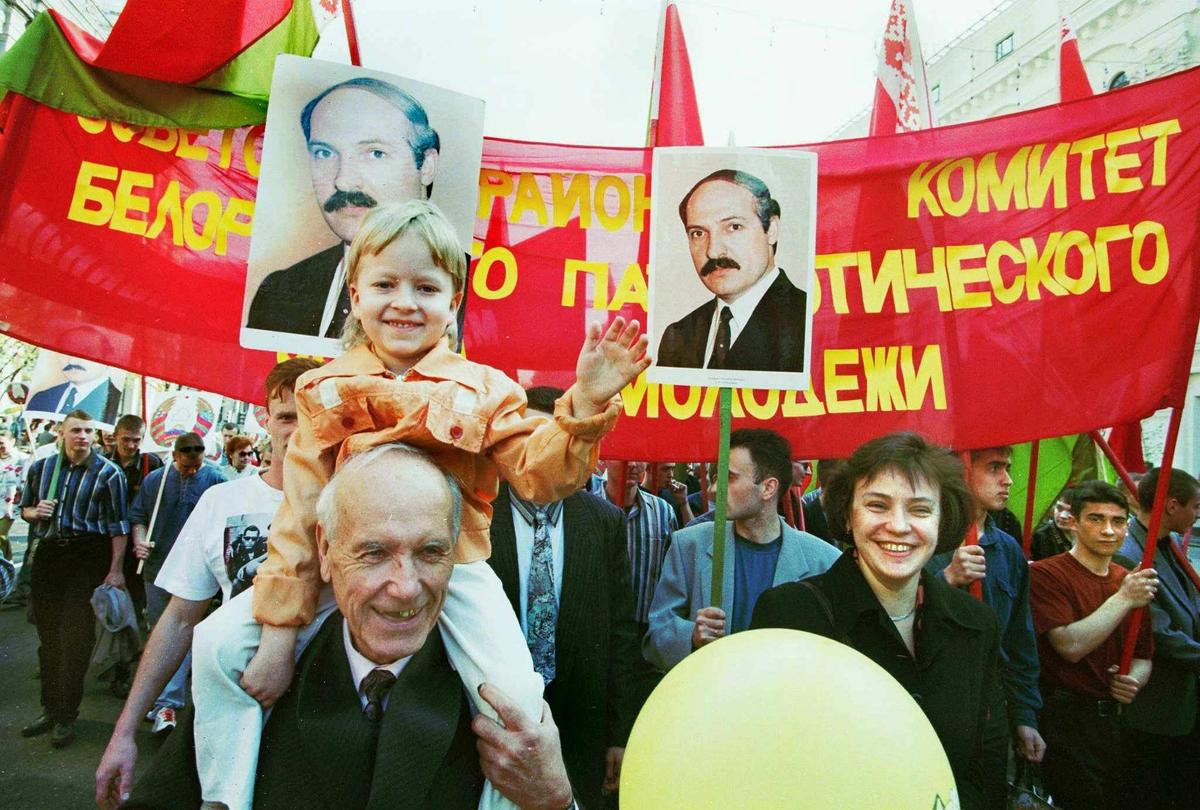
(226, 533)
(524, 534)
(335, 293)
(361, 666)
(742, 309)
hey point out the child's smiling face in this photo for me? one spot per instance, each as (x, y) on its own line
(404, 301)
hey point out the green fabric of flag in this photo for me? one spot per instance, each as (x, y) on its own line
(42, 66)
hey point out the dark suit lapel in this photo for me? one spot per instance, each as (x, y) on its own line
(330, 722)
(421, 720)
(504, 548)
(580, 546)
(764, 343)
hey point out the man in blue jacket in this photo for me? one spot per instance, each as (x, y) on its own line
(1000, 563)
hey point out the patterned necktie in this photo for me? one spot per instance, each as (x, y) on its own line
(69, 404)
(375, 686)
(721, 347)
(541, 614)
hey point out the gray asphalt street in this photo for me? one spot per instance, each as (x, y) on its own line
(34, 776)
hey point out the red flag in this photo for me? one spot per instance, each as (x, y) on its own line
(1126, 442)
(902, 101)
(178, 41)
(677, 119)
(1072, 78)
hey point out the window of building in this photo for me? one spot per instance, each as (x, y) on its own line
(935, 93)
(1004, 47)
(1118, 81)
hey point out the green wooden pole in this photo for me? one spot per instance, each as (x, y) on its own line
(718, 563)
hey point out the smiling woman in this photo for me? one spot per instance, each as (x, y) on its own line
(899, 500)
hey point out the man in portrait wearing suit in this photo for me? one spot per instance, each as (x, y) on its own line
(570, 590)
(87, 388)
(755, 320)
(375, 715)
(369, 144)
(761, 551)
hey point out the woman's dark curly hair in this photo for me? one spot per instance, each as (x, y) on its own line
(909, 455)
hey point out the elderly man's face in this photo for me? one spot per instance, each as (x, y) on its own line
(360, 157)
(729, 247)
(391, 560)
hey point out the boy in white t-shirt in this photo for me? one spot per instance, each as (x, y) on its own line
(218, 549)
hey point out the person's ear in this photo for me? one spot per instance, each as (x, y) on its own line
(773, 232)
(428, 168)
(770, 487)
(323, 553)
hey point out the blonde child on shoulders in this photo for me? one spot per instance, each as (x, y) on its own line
(399, 381)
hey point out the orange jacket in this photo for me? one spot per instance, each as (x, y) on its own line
(469, 418)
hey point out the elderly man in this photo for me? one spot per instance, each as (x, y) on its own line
(369, 144)
(755, 319)
(761, 551)
(375, 715)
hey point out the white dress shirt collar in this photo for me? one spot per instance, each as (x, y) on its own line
(361, 666)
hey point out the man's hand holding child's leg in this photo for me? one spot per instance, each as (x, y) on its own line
(607, 363)
(269, 673)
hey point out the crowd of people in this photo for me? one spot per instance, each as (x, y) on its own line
(438, 595)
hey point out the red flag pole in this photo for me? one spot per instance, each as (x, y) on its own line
(351, 33)
(145, 403)
(972, 538)
(1114, 460)
(1030, 492)
(1134, 621)
(620, 483)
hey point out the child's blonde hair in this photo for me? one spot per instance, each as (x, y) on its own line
(388, 223)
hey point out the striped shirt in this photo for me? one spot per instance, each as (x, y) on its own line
(649, 523)
(91, 496)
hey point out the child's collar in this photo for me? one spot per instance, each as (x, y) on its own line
(439, 363)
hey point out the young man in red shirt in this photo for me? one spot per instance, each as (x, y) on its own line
(1080, 600)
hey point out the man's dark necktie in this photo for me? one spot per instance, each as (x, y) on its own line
(721, 347)
(69, 404)
(375, 686)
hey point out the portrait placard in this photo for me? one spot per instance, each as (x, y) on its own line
(62, 384)
(341, 141)
(732, 241)
(173, 413)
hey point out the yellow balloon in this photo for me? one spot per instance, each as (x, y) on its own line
(783, 719)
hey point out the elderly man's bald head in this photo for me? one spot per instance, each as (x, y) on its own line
(387, 523)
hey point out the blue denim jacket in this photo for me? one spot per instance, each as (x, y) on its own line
(1006, 592)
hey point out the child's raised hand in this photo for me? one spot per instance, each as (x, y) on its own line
(607, 363)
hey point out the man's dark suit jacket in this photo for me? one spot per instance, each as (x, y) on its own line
(102, 404)
(772, 340)
(601, 680)
(317, 751)
(293, 300)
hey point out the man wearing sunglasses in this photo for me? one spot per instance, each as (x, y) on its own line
(162, 506)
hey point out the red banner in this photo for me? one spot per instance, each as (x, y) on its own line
(1030, 275)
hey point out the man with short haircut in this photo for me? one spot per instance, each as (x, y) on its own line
(998, 560)
(761, 551)
(755, 320)
(1055, 535)
(128, 434)
(649, 523)
(218, 549)
(157, 518)
(375, 715)
(369, 144)
(1162, 727)
(1080, 601)
(565, 570)
(79, 516)
(239, 450)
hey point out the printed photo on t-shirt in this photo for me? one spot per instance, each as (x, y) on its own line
(245, 548)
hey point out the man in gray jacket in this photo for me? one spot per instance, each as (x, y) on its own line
(761, 551)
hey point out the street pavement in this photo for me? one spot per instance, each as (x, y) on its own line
(34, 776)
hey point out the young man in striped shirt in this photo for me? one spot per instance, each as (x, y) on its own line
(81, 519)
